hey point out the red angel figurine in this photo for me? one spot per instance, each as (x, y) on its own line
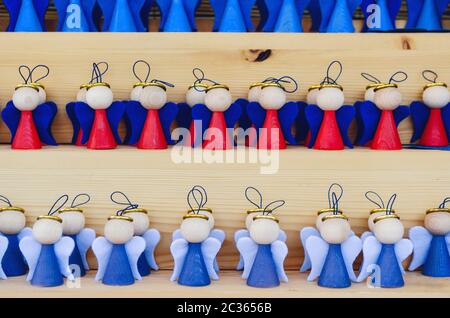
(431, 116)
(29, 116)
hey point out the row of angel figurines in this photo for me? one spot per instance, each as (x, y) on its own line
(230, 15)
(57, 244)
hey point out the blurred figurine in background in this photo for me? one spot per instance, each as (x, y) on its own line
(232, 15)
(426, 15)
(77, 15)
(380, 15)
(336, 16)
(124, 15)
(283, 15)
(26, 15)
(178, 15)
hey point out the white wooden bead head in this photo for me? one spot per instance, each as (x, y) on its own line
(264, 229)
(437, 221)
(388, 229)
(387, 95)
(272, 96)
(141, 221)
(136, 92)
(321, 214)
(26, 98)
(335, 229)
(370, 89)
(31, 93)
(119, 229)
(311, 97)
(12, 220)
(81, 95)
(153, 96)
(99, 96)
(435, 94)
(195, 96)
(195, 228)
(330, 97)
(73, 221)
(254, 92)
(48, 229)
(218, 98)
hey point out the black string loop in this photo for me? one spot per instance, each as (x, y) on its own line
(36, 68)
(278, 204)
(287, 80)
(444, 203)
(390, 204)
(204, 193)
(6, 200)
(128, 204)
(162, 82)
(370, 78)
(433, 74)
(25, 78)
(260, 197)
(58, 205)
(335, 204)
(199, 203)
(135, 71)
(378, 201)
(86, 201)
(331, 80)
(97, 74)
(403, 77)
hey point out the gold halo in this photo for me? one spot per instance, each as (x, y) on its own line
(70, 210)
(327, 210)
(195, 216)
(435, 210)
(438, 84)
(256, 84)
(38, 85)
(258, 210)
(137, 210)
(273, 85)
(49, 217)
(198, 85)
(379, 210)
(385, 217)
(84, 86)
(335, 216)
(266, 217)
(156, 84)
(12, 208)
(89, 86)
(211, 87)
(331, 86)
(316, 86)
(384, 85)
(140, 84)
(373, 85)
(201, 209)
(31, 85)
(121, 218)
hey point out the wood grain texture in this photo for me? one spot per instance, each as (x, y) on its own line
(228, 58)
(230, 285)
(35, 179)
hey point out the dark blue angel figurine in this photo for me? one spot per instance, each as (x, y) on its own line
(26, 15)
(283, 15)
(431, 244)
(12, 230)
(123, 15)
(336, 16)
(76, 15)
(380, 15)
(426, 15)
(29, 116)
(178, 15)
(232, 15)
(47, 251)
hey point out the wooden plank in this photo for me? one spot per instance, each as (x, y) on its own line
(156, 181)
(230, 285)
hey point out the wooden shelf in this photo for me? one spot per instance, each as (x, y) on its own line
(230, 285)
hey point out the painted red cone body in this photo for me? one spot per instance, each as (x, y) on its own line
(434, 134)
(26, 136)
(329, 136)
(386, 137)
(152, 136)
(271, 136)
(101, 135)
(216, 137)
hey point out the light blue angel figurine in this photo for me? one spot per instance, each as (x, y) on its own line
(47, 251)
(432, 243)
(384, 252)
(426, 15)
(232, 15)
(123, 15)
(76, 15)
(284, 15)
(26, 15)
(73, 226)
(178, 15)
(337, 15)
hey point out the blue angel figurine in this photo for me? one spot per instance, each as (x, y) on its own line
(29, 115)
(26, 15)
(337, 15)
(426, 15)
(380, 15)
(47, 251)
(431, 244)
(232, 15)
(12, 228)
(76, 15)
(384, 252)
(178, 15)
(123, 15)
(73, 226)
(284, 15)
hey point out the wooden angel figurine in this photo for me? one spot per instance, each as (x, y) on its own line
(232, 15)
(118, 252)
(381, 118)
(76, 15)
(431, 244)
(384, 18)
(194, 253)
(99, 117)
(141, 223)
(217, 117)
(426, 15)
(283, 15)
(47, 251)
(12, 230)
(374, 213)
(431, 116)
(150, 118)
(73, 221)
(384, 252)
(123, 15)
(26, 15)
(330, 120)
(178, 15)
(273, 117)
(29, 116)
(337, 15)
(251, 213)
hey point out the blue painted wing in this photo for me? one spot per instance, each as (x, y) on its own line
(403, 250)
(184, 116)
(359, 124)
(218, 7)
(164, 8)
(152, 238)
(179, 249)
(87, 7)
(13, 7)
(318, 250)
(85, 116)
(306, 233)
(301, 124)
(102, 250)
(282, 236)
(350, 250)
(365, 235)
(134, 248)
(287, 116)
(232, 114)
(401, 113)
(316, 16)
(84, 242)
(115, 113)
(279, 252)
(11, 117)
(414, 10)
(210, 248)
(344, 118)
(244, 121)
(31, 249)
(246, 9)
(201, 115)
(445, 112)
(256, 114)
(419, 113)
(3, 246)
(326, 10)
(167, 115)
(43, 116)
(314, 116)
(136, 115)
(273, 10)
(176, 235)
(237, 236)
(70, 110)
(421, 240)
(371, 252)
(63, 249)
(369, 117)
(26, 231)
(248, 249)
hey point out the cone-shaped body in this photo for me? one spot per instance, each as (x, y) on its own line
(288, 18)
(341, 18)
(429, 18)
(177, 19)
(28, 21)
(232, 18)
(122, 19)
